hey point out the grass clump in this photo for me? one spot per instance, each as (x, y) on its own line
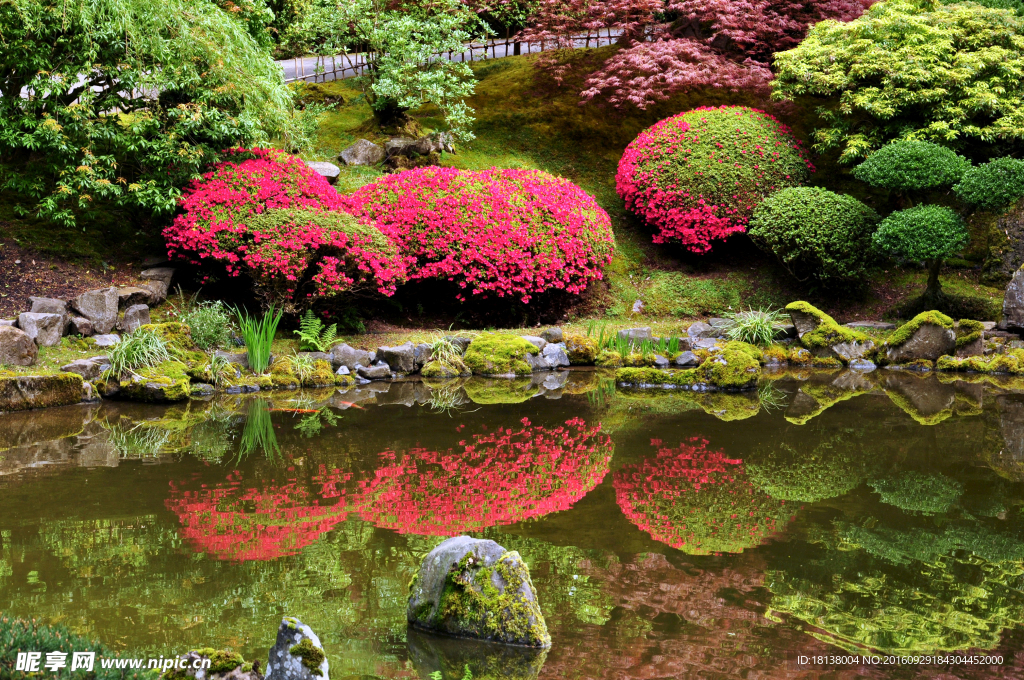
(754, 326)
(258, 334)
(142, 348)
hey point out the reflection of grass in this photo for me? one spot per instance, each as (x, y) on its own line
(258, 434)
(136, 442)
(310, 425)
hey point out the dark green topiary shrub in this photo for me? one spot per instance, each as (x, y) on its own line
(994, 185)
(912, 166)
(924, 232)
(815, 233)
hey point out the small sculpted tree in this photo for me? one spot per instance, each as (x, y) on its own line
(671, 46)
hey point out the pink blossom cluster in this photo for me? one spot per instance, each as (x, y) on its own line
(299, 255)
(504, 232)
(698, 176)
(671, 46)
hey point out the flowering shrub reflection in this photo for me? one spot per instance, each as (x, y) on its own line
(233, 521)
(501, 477)
(698, 501)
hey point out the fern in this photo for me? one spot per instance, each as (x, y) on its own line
(313, 335)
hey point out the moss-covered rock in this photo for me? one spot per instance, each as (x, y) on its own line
(1011, 363)
(581, 350)
(970, 339)
(492, 354)
(774, 355)
(454, 367)
(475, 588)
(20, 392)
(824, 337)
(166, 382)
(729, 369)
(929, 335)
(606, 358)
(223, 664)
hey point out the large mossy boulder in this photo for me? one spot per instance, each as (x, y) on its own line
(17, 347)
(492, 354)
(929, 335)
(297, 654)
(21, 392)
(474, 588)
(824, 337)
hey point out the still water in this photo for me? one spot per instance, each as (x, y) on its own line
(670, 535)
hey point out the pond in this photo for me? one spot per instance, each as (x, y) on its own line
(670, 534)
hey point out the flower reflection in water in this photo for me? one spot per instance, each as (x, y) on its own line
(502, 477)
(698, 501)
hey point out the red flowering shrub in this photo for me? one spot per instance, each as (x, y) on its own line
(268, 215)
(504, 232)
(232, 522)
(698, 176)
(698, 501)
(503, 477)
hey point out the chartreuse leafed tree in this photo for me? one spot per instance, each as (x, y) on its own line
(910, 69)
(920, 231)
(114, 105)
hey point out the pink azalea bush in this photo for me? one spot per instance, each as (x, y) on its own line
(503, 232)
(698, 176)
(266, 214)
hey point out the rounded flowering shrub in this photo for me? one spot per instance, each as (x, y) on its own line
(266, 214)
(497, 478)
(698, 501)
(241, 521)
(698, 176)
(503, 232)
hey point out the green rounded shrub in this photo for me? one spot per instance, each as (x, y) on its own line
(816, 233)
(924, 232)
(994, 185)
(912, 166)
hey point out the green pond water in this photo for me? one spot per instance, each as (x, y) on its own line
(669, 534)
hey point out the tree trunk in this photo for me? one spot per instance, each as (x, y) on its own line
(933, 295)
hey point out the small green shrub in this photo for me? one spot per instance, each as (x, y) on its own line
(912, 166)
(142, 348)
(209, 323)
(313, 334)
(816, 233)
(924, 232)
(994, 185)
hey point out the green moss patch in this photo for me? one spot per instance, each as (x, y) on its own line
(581, 350)
(730, 369)
(311, 655)
(968, 331)
(20, 392)
(907, 330)
(1011, 363)
(167, 381)
(494, 354)
(828, 332)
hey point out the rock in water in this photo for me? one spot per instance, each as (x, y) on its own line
(474, 588)
(1013, 302)
(297, 654)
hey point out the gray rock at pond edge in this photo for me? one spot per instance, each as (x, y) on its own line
(553, 334)
(16, 347)
(363, 152)
(343, 355)
(929, 341)
(460, 343)
(862, 365)
(423, 354)
(380, 371)
(135, 316)
(537, 362)
(44, 305)
(44, 329)
(537, 341)
(285, 664)
(1013, 302)
(107, 340)
(687, 359)
(488, 594)
(129, 296)
(871, 325)
(401, 358)
(240, 358)
(699, 329)
(328, 171)
(98, 306)
(89, 369)
(556, 355)
(80, 326)
(635, 335)
(342, 370)
(660, 361)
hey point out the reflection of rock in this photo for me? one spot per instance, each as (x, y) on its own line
(925, 399)
(471, 587)
(500, 390)
(822, 391)
(1009, 462)
(485, 660)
